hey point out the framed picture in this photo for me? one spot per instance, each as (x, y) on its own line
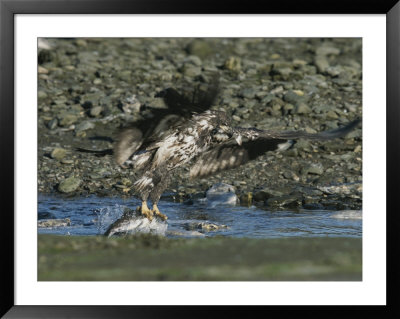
(257, 138)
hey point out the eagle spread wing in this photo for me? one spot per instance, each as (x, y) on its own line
(230, 154)
(180, 107)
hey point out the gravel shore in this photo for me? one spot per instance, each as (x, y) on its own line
(89, 88)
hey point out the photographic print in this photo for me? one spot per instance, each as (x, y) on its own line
(199, 159)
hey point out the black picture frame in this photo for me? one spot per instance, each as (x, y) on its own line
(8, 10)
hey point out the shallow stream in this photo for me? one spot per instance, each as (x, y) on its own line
(93, 216)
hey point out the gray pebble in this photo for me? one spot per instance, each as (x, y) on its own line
(67, 119)
(302, 108)
(52, 124)
(83, 126)
(58, 153)
(96, 111)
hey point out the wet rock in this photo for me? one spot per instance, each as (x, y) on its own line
(204, 226)
(49, 223)
(346, 189)
(290, 201)
(267, 193)
(246, 199)
(69, 184)
(312, 203)
(58, 153)
(309, 191)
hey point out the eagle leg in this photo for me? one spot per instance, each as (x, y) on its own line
(146, 211)
(157, 212)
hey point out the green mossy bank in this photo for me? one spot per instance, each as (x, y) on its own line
(150, 258)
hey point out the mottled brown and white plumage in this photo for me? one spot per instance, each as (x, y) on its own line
(188, 131)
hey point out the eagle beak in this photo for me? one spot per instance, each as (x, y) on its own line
(238, 139)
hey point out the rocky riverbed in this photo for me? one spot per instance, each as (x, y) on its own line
(89, 88)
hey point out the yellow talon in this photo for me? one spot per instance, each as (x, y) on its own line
(156, 211)
(146, 211)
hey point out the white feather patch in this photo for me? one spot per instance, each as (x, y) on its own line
(141, 159)
(143, 182)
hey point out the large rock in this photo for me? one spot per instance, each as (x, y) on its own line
(221, 194)
(69, 184)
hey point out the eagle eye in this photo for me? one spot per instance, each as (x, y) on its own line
(214, 131)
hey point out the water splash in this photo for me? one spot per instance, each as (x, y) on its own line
(107, 216)
(120, 220)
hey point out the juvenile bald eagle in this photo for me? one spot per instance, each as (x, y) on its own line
(188, 131)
